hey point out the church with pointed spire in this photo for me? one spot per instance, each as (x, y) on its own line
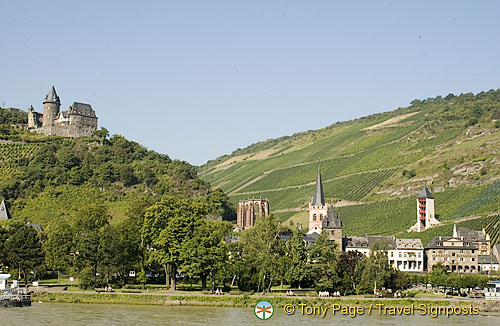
(323, 216)
(79, 120)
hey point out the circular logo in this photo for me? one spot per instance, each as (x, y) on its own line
(264, 310)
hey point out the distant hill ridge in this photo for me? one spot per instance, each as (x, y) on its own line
(374, 167)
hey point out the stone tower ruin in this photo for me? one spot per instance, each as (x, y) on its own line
(249, 210)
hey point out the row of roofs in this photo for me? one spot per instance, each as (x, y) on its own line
(391, 243)
(470, 240)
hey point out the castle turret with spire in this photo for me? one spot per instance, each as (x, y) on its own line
(51, 108)
(79, 121)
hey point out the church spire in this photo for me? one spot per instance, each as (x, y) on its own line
(319, 197)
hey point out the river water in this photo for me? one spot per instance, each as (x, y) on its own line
(111, 315)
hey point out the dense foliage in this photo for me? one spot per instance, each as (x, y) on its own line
(53, 176)
(115, 164)
(13, 116)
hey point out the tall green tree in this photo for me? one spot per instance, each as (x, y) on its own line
(4, 235)
(131, 254)
(220, 205)
(259, 254)
(24, 250)
(297, 253)
(102, 134)
(58, 246)
(112, 254)
(323, 257)
(283, 264)
(89, 227)
(438, 275)
(348, 261)
(377, 272)
(205, 253)
(131, 233)
(167, 225)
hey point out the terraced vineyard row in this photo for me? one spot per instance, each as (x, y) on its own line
(364, 189)
(10, 153)
(346, 140)
(378, 158)
(489, 194)
(6, 171)
(382, 218)
(352, 188)
(455, 203)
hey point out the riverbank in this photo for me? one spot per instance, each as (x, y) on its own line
(243, 301)
(222, 301)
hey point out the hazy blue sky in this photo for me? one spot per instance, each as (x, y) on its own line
(198, 79)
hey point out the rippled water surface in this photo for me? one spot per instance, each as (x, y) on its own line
(110, 315)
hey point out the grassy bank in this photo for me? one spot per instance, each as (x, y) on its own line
(221, 301)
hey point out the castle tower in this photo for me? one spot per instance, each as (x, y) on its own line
(318, 210)
(425, 209)
(51, 107)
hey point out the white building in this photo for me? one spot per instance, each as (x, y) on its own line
(408, 256)
(3, 281)
(359, 244)
(487, 263)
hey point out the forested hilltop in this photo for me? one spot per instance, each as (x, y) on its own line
(43, 178)
(374, 167)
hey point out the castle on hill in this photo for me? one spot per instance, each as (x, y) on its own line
(79, 120)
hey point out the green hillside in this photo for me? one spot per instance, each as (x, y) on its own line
(373, 167)
(46, 178)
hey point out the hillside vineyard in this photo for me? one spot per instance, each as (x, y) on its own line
(374, 167)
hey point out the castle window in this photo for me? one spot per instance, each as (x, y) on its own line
(321, 217)
(314, 217)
